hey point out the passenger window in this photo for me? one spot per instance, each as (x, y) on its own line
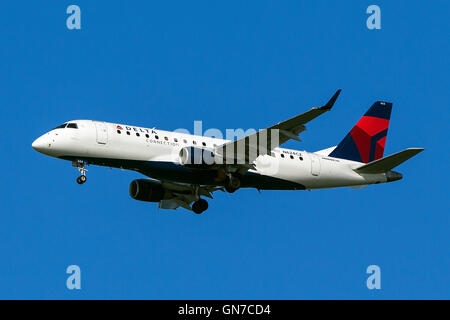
(156, 137)
(292, 157)
(184, 140)
(146, 135)
(194, 142)
(282, 155)
(119, 132)
(165, 138)
(137, 134)
(301, 158)
(128, 132)
(175, 139)
(72, 125)
(204, 144)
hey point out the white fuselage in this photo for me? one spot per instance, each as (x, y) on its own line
(155, 153)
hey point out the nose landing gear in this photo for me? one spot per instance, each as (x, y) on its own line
(81, 167)
(81, 179)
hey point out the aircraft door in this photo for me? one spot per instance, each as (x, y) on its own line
(315, 164)
(102, 132)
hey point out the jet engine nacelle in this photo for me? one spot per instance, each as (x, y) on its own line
(146, 190)
(196, 157)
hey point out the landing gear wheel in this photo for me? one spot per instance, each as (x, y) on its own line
(200, 206)
(81, 167)
(232, 184)
(81, 179)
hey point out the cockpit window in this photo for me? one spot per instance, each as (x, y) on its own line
(72, 125)
(61, 126)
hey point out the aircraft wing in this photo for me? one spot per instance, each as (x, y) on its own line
(245, 150)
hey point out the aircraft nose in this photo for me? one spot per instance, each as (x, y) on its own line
(40, 144)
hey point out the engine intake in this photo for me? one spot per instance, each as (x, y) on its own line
(146, 190)
(197, 157)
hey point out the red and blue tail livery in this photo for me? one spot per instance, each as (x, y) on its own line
(366, 141)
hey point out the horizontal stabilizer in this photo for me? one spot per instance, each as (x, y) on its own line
(387, 163)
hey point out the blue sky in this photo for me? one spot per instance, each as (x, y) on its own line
(230, 64)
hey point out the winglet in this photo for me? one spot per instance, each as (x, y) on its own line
(330, 103)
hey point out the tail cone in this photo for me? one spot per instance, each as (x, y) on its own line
(393, 176)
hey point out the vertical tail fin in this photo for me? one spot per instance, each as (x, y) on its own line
(366, 141)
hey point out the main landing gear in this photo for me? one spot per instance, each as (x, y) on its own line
(81, 167)
(199, 206)
(230, 180)
(232, 183)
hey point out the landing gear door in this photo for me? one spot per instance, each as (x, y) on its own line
(315, 165)
(102, 132)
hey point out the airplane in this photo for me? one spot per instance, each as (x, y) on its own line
(183, 169)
